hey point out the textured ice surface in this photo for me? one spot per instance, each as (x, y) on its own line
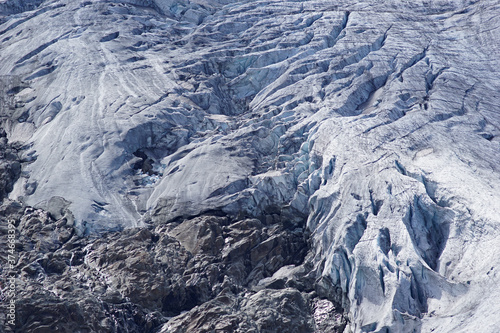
(377, 121)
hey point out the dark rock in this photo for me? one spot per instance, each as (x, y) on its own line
(133, 280)
(266, 311)
(10, 167)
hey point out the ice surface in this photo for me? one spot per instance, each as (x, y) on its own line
(378, 122)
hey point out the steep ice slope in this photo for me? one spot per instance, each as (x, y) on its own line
(375, 121)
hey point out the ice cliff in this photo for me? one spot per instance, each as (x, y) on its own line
(341, 156)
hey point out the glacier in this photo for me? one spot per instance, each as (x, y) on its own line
(370, 127)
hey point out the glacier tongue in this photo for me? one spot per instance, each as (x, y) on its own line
(377, 122)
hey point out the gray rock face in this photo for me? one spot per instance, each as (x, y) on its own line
(163, 278)
(322, 166)
(10, 168)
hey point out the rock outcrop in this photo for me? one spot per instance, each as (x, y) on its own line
(204, 274)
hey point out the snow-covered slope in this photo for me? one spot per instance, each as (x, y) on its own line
(378, 122)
